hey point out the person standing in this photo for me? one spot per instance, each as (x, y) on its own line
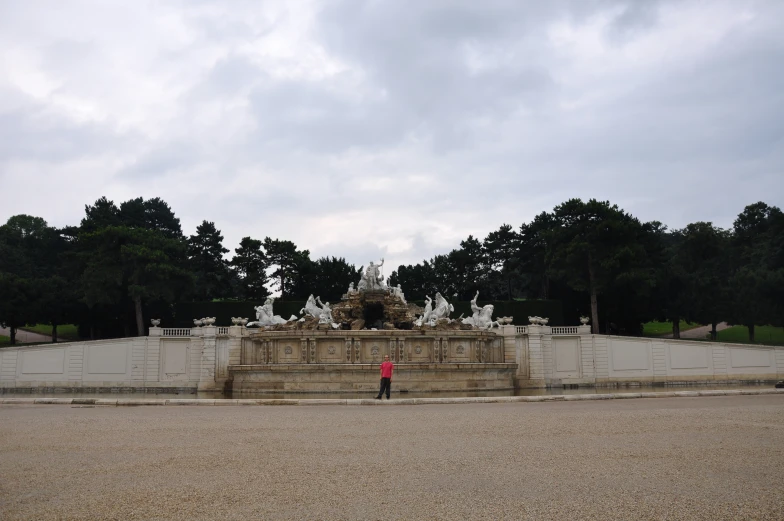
(386, 377)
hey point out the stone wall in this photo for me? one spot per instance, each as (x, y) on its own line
(207, 358)
(187, 359)
(345, 378)
(580, 358)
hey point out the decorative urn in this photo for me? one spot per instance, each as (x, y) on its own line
(243, 321)
(235, 321)
(584, 321)
(155, 322)
(544, 321)
(197, 322)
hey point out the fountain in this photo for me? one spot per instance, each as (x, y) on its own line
(337, 348)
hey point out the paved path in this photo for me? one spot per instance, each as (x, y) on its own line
(672, 458)
(24, 337)
(699, 332)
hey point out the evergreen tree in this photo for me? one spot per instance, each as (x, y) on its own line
(501, 251)
(756, 265)
(289, 263)
(598, 246)
(209, 268)
(250, 263)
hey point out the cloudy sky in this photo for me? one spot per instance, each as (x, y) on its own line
(390, 128)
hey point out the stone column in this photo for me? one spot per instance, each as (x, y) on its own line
(207, 376)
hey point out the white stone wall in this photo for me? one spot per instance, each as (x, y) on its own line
(199, 359)
(585, 359)
(156, 361)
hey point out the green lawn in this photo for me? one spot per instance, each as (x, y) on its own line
(662, 328)
(4, 340)
(762, 335)
(64, 331)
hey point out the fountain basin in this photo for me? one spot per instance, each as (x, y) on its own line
(337, 378)
(344, 360)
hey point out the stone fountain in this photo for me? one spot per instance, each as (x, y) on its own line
(337, 348)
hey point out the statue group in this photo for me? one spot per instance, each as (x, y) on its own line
(317, 309)
(372, 279)
(266, 317)
(482, 317)
(433, 315)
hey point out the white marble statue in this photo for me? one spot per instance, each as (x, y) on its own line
(266, 317)
(442, 309)
(311, 308)
(425, 318)
(398, 292)
(372, 279)
(482, 317)
(351, 290)
(326, 312)
(317, 309)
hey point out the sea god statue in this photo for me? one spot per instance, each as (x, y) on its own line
(372, 279)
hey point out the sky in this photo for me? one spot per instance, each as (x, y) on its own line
(390, 129)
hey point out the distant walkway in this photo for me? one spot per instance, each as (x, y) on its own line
(25, 337)
(699, 332)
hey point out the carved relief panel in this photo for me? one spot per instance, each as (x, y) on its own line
(330, 351)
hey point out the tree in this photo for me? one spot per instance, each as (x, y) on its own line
(28, 258)
(598, 246)
(704, 254)
(757, 266)
(250, 263)
(331, 277)
(287, 261)
(152, 214)
(536, 242)
(134, 263)
(501, 251)
(210, 269)
(125, 258)
(101, 214)
(673, 296)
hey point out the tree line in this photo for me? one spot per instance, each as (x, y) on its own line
(124, 263)
(602, 262)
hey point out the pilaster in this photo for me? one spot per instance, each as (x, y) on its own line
(207, 379)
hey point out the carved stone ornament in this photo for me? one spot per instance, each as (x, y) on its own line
(460, 350)
(287, 350)
(418, 350)
(155, 322)
(374, 351)
(331, 350)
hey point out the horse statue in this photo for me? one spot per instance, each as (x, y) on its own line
(482, 317)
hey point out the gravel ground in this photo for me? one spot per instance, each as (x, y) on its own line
(666, 458)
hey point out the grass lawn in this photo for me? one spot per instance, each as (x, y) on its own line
(5, 341)
(762, 335)
(64, 331)
(662, 328)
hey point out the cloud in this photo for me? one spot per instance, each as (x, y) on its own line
(390, 129)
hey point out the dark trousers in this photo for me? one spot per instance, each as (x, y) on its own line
(386, 383)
